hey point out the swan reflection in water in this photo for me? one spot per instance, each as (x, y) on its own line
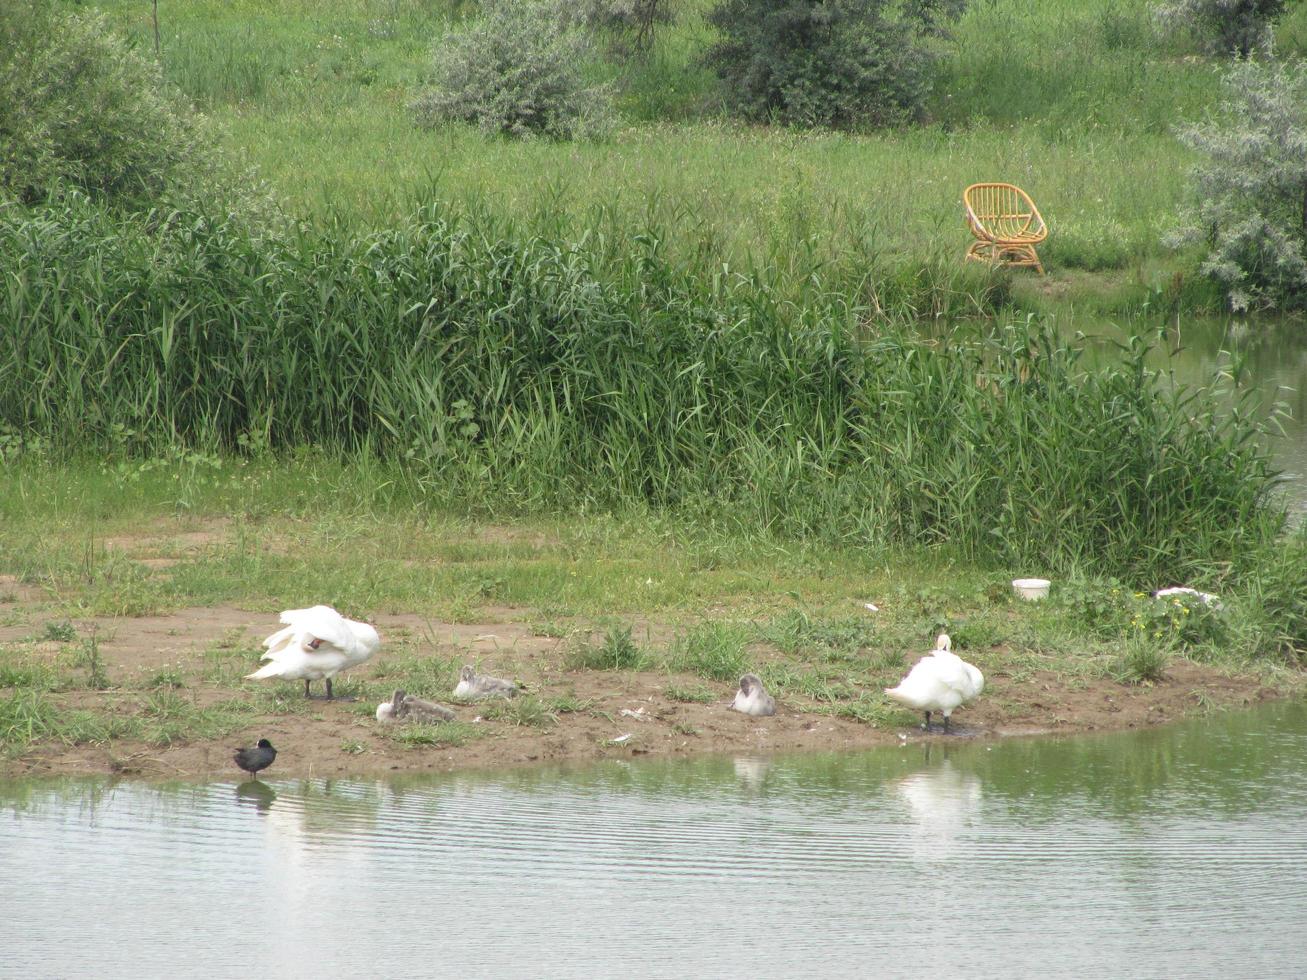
(943, 803)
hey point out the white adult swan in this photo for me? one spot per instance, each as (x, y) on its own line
(752, 698)
(316, 644)
(940, 681)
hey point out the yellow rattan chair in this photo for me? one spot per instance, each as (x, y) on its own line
(1006, 223)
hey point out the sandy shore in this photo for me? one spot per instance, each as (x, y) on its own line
(615, 714)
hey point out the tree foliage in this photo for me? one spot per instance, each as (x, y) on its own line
(1224, 27)
(842, 63)
(1249, 193)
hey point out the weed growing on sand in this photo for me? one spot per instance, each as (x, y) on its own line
(451, 733)
(569, 704)
(89, 657)
(713, 649)
(1142, 662)
(59, 632)
(617, 651)
(525, 710)
(168, 677)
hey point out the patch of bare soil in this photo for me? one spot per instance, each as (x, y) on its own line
(625, 714)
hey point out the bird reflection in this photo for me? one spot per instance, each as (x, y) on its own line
(257, 792)
(751, 772)
(943, 803)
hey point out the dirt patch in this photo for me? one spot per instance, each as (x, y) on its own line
(198, 657)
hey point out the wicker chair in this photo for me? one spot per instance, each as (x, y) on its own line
(1006, 223)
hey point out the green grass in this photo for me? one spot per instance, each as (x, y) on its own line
(691, 695)
(615, 650)
(1081, 111)
(524, 710)
(715, 650)
(1143, 661)
(448, 733)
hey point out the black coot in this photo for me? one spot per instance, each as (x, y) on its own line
(259, 757)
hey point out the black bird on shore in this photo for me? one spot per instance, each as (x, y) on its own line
(259, 757)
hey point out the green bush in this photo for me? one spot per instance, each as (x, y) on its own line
(1224, 27)
(517, 71)
(1249, 194)
(840, 63)
(80, 108)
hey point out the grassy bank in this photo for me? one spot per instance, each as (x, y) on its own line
(132, 598)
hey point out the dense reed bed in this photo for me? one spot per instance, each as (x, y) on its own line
(544, 374)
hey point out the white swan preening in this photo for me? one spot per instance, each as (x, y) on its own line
(473, 685)
(402, 706)
(940, 681)
(316, 644)
(752, 698)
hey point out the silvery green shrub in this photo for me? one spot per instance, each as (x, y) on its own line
(1223, 27)
(517, 70)
(1249, 193)
(841, 63)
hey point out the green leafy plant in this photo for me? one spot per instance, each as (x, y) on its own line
(1143, 660)
(617, 651)
(60, 632)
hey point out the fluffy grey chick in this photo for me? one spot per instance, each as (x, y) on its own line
(752, 698)
(472, 685)
(405, 707)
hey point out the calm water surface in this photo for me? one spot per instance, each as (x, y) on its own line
(1168, 853)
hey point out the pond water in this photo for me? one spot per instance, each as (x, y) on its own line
(1269, 356)
(1173, 852)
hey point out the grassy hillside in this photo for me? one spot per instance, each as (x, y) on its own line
(1076, 101)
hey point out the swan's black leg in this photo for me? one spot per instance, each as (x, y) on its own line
(926, 726)
(306, 687)
(329, 689)
(946, 724)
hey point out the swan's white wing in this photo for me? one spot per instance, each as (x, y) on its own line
(294, 663)
(977, 679)
(951, 670)
(278, 641)
(322, 623)
(926, 687)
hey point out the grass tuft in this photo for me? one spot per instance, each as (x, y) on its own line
(714, 649)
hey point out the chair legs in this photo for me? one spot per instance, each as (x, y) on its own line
(1011, 253)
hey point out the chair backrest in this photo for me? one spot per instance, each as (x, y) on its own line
(1002, 211)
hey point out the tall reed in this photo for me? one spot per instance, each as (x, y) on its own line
(536, 372)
